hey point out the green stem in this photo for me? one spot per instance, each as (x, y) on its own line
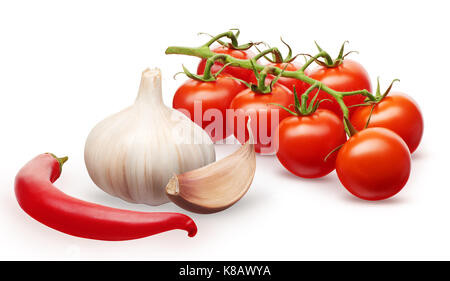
(228, 34)
(359, 92)
(313, 59)
(277, 54)
(204, 52)
(326, 56)
(261, 86)
(61, 160)
(209, 63)
(207, 71)
(305, 97)
(344, 108)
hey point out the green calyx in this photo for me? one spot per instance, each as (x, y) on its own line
(301, 107)
(327, 60)
(233, 44)
(368, 102)
(378, 95)
(207, 75)
(261, 76)
(350, 130)
(61, 160)
(277, 57)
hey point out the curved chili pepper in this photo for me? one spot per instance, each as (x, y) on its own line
(40, 199)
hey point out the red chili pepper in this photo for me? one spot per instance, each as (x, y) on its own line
(39, 198)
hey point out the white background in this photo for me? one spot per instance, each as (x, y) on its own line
(66, 65)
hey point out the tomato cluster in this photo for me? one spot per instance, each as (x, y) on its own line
(309, 137)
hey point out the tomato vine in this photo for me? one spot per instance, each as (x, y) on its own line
(205, 52)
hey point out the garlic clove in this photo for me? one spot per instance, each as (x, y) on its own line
(217, 186)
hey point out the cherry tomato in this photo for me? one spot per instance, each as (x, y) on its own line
(208, 95)
(347, 76)
(397, 112)
(374, 164)
(300, 86)
(305, 141)
(235, 71)
(263, 123)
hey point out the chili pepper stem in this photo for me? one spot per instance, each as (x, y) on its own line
(61, 160)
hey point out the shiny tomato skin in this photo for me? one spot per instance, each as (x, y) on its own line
(374, 164)
(300, 86)
(305, 141)
(235, 71)
(397, 112)
(256, 105)
(346, 77)
(213, 95)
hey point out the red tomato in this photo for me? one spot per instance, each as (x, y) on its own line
(346, 77)
(263, 122)
(374, 164)
(235, 71)
(300, 86)
(208, 96)
(397, 112)
(305, 141)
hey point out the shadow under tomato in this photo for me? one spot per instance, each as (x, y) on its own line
(331, 178)
(395, 200)
(330, 185)
(418, 155)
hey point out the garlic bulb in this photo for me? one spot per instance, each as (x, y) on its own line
(133, 153)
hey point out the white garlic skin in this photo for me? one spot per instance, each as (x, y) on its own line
(133, 153)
